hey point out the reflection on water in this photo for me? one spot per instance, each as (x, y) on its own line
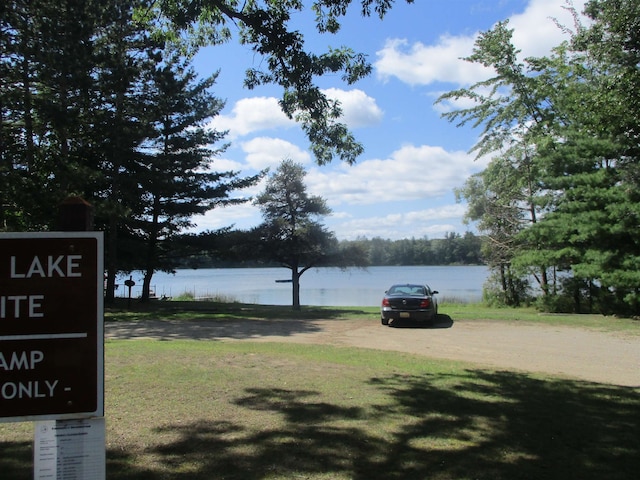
(321, 286)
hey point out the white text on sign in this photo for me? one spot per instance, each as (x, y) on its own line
(52, 266)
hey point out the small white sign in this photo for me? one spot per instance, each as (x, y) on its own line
(70, 449)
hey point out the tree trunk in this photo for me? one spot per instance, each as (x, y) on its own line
(146, 285)
(544, 284)
(152, 251)
(503, 282)
(295, 287)
(111, 260)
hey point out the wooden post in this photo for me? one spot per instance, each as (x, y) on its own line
(75, 215)
(130, 284)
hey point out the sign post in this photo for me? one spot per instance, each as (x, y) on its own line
(52, 348)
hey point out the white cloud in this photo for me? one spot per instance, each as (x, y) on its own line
(411, 173)
(262, 152)
(421, 64)
(225, 165)
(535, 34)
(535, 29)
(254, 114)
(432, 223)
(242, 216)
(358, 108)
(251, 115)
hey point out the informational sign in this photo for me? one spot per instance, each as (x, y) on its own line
(69, 449)
(51, 326)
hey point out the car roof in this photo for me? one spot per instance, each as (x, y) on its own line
(405, 287)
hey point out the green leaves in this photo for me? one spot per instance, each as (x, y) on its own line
(291, 233)
(561, 192)
(267, 28)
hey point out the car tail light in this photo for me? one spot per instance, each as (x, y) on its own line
(425, 303)
(385, 302)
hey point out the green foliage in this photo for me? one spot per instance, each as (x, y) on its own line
(96, 100)
(504, 288)
(184, 297)
(291, 233)
(566, 128)
(503, 197)
(95, 103)
(48, 144)
(174, 176)
(268, 28)
(236, 249)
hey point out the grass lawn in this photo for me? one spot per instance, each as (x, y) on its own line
(196, 410)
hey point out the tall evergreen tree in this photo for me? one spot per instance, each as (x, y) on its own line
(127, 54)
(291, 233)
(46, 107)
(514, 113)
(16, 145)
(175, 176)
(578, 118)
(592, 169)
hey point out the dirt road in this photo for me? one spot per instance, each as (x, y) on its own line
(603, 357)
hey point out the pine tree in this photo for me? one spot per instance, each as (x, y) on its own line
(46, 101)
(175, 176)
(126, 53)
(291, 233)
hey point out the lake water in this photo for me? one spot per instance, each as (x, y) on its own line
(319, 286)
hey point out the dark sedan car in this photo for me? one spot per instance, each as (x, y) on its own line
(409, 302)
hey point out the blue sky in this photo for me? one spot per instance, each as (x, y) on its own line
(403, 185)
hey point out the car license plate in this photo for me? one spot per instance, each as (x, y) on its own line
(405, 314)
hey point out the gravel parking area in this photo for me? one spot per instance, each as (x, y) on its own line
(586, 354)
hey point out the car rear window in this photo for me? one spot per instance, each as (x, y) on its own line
(414, 290)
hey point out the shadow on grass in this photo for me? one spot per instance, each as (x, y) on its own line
(477, 425)
(200, 310)
(209, 330)
(210, 320)
(16, 460)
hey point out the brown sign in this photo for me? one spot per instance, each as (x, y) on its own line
(51, 326)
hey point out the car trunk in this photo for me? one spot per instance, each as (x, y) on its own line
(407, 303)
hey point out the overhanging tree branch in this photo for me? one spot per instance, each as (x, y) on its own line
(265, 27)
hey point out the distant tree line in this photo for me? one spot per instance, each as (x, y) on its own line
(453, 249)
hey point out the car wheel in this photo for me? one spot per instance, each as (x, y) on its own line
(384, 321)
